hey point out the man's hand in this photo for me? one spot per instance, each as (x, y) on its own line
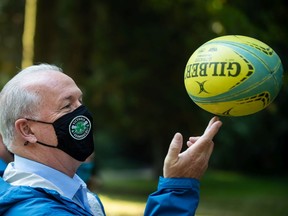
(193, 162)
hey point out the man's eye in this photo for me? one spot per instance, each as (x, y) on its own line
(67, 106)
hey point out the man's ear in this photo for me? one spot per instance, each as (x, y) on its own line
(24, 130)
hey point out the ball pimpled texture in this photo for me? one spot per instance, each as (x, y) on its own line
(233, 76)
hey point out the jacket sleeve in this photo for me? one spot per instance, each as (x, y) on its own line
(174, 196)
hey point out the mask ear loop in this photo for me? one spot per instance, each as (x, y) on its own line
(38, 121)
(51, 146)
(26, 143)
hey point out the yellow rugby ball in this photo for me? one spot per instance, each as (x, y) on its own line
(233, 75)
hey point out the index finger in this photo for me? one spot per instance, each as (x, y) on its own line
(212, 128)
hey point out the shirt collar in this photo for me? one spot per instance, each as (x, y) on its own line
(66, 184)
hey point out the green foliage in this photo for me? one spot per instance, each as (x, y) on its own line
(256, 143)
(11, 25)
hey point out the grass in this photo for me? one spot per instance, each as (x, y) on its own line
(122, 207)
(232, 194)
(222, 194)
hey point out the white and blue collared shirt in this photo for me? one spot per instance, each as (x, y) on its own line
(31, 173)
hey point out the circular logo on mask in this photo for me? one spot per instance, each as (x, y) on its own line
(79, 127)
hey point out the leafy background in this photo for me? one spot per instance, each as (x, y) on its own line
(129, 59)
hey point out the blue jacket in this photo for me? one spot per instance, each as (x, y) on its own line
(3, 165)
(173, 197)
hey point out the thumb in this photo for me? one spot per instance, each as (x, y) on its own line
(174, 149)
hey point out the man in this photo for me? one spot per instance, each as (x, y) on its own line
(44, 123)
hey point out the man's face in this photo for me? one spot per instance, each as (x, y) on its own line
(60, 96)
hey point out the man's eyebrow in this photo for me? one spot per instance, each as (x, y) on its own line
(67, 98)
(70, 97)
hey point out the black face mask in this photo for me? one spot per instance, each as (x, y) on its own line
(74, 133)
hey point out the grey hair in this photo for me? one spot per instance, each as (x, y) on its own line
(16, 101)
